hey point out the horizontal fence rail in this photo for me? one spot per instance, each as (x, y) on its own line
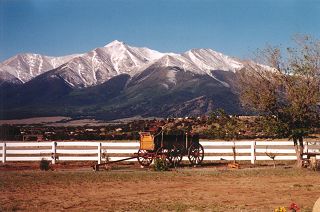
(100, 151)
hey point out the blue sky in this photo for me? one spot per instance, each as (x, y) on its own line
(234, 27)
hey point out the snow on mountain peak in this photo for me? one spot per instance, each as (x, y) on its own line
(29, 65)
(115, 43)
(200, 61)
(207, 60)
(101, 64)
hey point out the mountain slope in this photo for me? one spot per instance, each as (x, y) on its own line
(101, 64)
(172, 91)
(24, 67)
(118, 81)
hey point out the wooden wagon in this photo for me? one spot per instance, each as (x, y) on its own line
(170, 147)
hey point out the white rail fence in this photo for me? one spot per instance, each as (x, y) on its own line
(98, 151)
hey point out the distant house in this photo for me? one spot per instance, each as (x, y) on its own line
(89, 130)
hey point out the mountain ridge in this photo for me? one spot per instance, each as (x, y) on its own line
(102, 63)
(119, 81)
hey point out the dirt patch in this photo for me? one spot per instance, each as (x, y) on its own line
(255, 189)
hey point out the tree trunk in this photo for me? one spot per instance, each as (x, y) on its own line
(298, 146)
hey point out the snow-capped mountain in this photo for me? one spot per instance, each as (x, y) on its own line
(208, 60)
(101, 64)
(118, 80)
(24, 67)
(200, 62)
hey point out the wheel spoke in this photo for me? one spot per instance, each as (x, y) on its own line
(195, 154)
(144, 157)
(163, 154)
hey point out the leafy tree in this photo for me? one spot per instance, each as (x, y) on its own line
(269, 126)
(288, 89)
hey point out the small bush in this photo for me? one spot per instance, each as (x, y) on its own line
(44, 165)
(160, 165)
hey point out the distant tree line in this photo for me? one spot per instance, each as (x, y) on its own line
(218, 125)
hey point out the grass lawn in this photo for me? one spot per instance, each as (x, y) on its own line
(188, 189)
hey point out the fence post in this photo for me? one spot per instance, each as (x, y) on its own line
(253, 152)
(54, 152)
(4, 152)
(306, 147)
(99, 152)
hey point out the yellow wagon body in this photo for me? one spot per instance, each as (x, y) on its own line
(146, 141)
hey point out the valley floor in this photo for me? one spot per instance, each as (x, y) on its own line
(206, 189)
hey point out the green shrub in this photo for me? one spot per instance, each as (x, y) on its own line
(160, 165)
(44, 165)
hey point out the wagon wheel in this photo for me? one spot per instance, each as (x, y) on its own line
(163, 154)
(175, 155)
(195, 154)
(144, 157)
